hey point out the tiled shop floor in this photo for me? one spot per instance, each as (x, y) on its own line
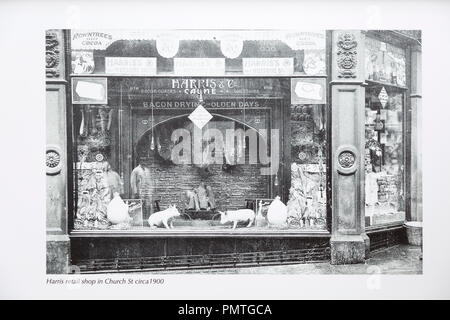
(402, 259)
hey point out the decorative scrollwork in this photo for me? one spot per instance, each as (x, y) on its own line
(52, 52)
(347, 55)
(346, 159)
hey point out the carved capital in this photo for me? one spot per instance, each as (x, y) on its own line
(346, 52)
(53, 54)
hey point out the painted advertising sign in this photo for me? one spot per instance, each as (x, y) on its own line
(268, 66)
(130, 66)
(199, 66)
(89, 91)
(308, 91)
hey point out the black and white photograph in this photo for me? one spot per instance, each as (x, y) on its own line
(239, 150)
(166, 142)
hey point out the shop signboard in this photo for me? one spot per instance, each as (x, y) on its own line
(268, 66)
(200, 116)
(190, 88)
(90, 40)
(308, 91)
(199, 66)
(306, 40)
(130, 66)
(89, 90)
(383, 97)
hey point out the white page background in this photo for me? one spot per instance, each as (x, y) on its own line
(22, 128)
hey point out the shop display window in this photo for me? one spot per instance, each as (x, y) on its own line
(307, 196)
(384, 155)
(158, 157)
(207, 132)
(385, 62)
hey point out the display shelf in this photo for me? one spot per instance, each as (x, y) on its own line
(150, 233)
(387, 84)
(385, 226)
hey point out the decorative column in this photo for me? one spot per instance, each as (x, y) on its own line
(58, 244)
(416, 133)
(348, 241)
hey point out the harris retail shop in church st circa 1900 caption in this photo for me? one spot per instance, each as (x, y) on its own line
(208, 148)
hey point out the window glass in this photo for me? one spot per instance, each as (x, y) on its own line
(190, 154)
(385, 62)
(307, 195)
(384, 155)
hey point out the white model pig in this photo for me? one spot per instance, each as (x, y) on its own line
(235, 216)
(164, 217)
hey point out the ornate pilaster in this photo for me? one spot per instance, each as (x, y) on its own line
(54, 54)
(348, 241)
(416, 133)
(56, 154)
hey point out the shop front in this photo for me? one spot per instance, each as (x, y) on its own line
(211, 148)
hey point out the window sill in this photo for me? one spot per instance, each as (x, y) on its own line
(198, 233)
(385, 226)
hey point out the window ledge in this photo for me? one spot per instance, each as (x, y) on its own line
(384, 227)
(198, 234)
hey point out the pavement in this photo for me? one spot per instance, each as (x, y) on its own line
(401, 259)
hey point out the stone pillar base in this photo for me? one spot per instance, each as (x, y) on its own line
(58, 254)
(347, 249)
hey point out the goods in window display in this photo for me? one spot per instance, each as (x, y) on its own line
(83, 124)
(92, 209)
(237, 216)
(83, 152)
(302, 125)
(277, 213)
(313, 62)
(163, 218)
(83, 62)
(104, 120)
(95, 126)
(376, 154)
(385, 62)
(117, 211)
(307, 198)
(386, 214)
(135, 211)
(91, 116)
(371, 187)
(379, 124)
(260, 220)
(153, 177)
(192, 199)
(201, 198)
(383, 159)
